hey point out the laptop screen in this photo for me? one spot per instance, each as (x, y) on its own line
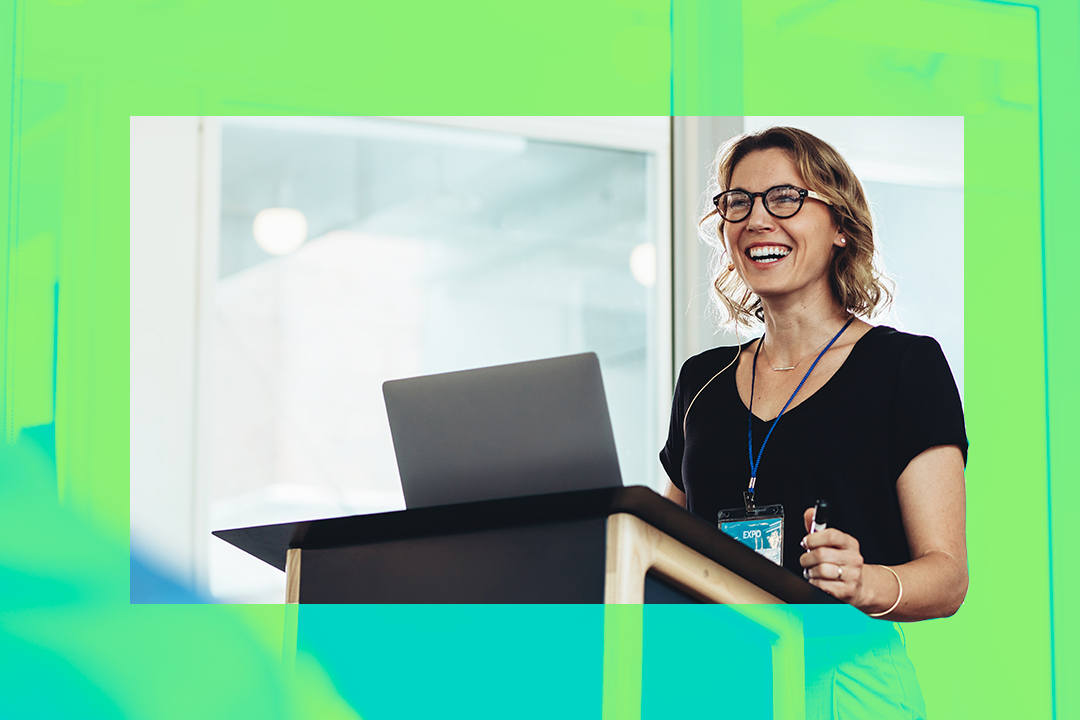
(506, 431)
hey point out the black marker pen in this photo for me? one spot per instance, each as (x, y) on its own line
(821, 516)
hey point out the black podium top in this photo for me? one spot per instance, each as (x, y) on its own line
(269, 543)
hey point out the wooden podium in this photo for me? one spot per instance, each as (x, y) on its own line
(625, 547)
(611, 545)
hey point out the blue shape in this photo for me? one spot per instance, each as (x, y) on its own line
(149, 585)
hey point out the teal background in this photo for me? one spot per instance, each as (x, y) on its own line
(75, 71)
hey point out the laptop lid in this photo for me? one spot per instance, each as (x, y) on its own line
(522, 429)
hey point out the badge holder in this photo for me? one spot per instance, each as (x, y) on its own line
(759, 528)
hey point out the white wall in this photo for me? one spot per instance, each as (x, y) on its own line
(165, 154)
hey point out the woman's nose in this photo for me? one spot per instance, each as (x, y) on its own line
(759, 218)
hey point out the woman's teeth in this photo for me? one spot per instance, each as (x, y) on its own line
(767, 254)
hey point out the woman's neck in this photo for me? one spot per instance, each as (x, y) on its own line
(794, 331)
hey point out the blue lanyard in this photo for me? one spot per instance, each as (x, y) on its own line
(748, 495)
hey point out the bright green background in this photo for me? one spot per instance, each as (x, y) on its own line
(78, 70)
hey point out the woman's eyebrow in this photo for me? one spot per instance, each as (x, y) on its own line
(783, 184)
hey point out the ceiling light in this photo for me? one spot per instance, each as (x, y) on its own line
(279, 231)
(643, 264)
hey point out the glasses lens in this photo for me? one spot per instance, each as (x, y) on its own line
(734, 205)
(783, 202)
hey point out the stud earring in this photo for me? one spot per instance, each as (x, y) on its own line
(843, 241)
(730, 267)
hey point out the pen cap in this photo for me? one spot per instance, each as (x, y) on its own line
(821, 512)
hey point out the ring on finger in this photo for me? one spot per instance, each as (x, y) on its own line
(839, 572)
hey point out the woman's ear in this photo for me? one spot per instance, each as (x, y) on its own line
(841, 239)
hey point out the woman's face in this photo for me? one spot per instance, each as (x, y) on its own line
(776, 257)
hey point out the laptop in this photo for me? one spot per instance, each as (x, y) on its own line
(526, 428)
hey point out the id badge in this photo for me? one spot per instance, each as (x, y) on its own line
(761, 529)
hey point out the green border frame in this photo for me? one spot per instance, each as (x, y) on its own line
(79, 69)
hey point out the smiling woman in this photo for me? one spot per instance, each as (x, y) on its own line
(871, 417)
(794, 154)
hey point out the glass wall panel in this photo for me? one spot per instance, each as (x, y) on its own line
(414, 249)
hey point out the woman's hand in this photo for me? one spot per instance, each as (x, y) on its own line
(833, 563)
(935, 581)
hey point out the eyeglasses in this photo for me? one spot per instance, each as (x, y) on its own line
(781, 201)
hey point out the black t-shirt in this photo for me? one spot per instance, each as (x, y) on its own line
(848, 443)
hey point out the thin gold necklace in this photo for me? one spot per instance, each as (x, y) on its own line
(784, 369)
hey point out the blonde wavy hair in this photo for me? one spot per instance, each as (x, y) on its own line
(856, 278)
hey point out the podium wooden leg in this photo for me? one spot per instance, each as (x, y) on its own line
(292, 608)
(634, 548)
(292, 575)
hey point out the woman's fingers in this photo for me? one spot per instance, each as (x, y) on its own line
(830, 537)
(836, 570)
(832, 562)
(839, 589)
(825, 571)
(840, 581)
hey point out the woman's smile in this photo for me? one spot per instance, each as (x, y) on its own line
(767, 253)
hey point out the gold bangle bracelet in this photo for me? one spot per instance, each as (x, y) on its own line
(898, 597)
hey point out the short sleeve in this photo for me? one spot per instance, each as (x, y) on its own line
(672, 455)
(927, 409)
